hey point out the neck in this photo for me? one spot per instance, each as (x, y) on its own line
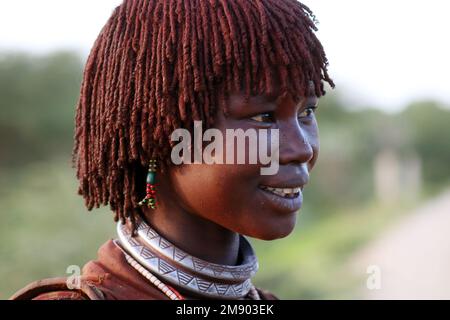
(199, 237)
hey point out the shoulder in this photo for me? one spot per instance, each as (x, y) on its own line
(59, 289)
(110, 277)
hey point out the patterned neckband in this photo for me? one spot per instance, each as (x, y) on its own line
(175, 266)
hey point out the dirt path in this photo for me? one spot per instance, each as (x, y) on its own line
(413, 256)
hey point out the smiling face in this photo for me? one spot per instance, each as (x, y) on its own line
(236, 196)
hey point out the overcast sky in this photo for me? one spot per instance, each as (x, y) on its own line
(382, 53)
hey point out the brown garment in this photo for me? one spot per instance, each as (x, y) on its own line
(110, 277)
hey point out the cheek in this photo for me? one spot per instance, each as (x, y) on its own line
(215, 192)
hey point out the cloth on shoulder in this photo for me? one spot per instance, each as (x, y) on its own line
(110, 277)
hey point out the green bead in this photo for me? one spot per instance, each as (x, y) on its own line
(151, 177)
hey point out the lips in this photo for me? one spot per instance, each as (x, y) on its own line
(282, 200)
(283, 192)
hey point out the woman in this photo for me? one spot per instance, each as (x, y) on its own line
(158, 66)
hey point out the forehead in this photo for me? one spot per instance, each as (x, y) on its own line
(272, 98)
(238, 100)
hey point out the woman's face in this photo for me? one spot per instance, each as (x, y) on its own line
(236, 196)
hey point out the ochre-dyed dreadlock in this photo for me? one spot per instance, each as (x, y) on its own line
(158, 65)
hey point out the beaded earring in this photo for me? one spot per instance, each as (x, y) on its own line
(150, 192)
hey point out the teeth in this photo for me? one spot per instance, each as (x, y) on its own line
(283, 191)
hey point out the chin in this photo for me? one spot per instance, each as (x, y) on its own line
(274, 229)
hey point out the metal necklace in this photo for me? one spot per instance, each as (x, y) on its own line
(156, 258)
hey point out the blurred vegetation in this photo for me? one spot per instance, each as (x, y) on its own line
(44, 227)
(38, 95)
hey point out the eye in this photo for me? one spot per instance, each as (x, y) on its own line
(266, 117)
(307, 113)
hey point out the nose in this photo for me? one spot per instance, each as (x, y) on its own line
(294, 145)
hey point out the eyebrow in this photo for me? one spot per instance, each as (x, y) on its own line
(270, 97)
(263, 100)
(269, 100)
(302, 100)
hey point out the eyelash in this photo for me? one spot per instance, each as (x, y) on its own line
(261, 115)
(310, 111)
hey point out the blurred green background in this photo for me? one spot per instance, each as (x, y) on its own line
(374, 168)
